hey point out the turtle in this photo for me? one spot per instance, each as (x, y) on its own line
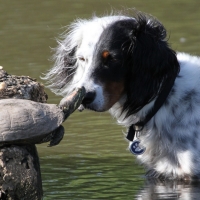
(28, 122)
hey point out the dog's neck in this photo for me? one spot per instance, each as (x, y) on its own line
(140, 119)
(116, 112)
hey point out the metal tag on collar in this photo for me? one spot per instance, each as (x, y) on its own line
(135, 148)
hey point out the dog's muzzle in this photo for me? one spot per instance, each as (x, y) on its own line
(88, 99)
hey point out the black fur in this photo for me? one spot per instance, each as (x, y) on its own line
(138, 51)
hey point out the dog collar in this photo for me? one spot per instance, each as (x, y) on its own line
(137, 127)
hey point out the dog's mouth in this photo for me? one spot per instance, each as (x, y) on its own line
(87, 101)
(81, 108)
(93, 102)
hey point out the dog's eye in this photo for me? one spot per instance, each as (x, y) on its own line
(81, 58)
(105, 54)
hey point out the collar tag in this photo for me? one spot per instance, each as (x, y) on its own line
(137, 149)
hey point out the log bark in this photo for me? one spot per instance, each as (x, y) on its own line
(21, 87)
(20, 176)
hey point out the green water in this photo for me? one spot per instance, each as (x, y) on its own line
(92, 161)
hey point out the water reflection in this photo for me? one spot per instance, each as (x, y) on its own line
(91, 177)
(155, 190)
(112, 177)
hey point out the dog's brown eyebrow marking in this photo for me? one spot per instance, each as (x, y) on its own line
(105, 54)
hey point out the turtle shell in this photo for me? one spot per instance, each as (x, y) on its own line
(24, 120)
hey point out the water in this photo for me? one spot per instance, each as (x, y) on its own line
(92, 161)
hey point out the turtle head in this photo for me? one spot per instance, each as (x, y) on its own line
(71, 102)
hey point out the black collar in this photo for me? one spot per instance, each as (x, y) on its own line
(158, 103)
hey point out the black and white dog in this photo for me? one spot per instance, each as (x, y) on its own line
(128, 68)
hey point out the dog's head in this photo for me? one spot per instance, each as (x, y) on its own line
(131, 58)
(117, 57)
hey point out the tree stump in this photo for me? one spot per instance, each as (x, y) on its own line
(20, 176)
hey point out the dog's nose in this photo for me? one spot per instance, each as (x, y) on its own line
(89, 98)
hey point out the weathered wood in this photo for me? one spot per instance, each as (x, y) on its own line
(21, 87)
(20, 176)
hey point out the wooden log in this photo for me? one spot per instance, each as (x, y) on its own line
(20, 176)
(21, 87)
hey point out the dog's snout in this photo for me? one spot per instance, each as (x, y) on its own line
(89, 98)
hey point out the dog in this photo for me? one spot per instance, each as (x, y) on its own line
(127, 67)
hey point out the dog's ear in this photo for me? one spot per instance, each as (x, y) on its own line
(64, 60)
(151, 63)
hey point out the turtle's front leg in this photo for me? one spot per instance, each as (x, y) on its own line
(57, 136)
(54, 137)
